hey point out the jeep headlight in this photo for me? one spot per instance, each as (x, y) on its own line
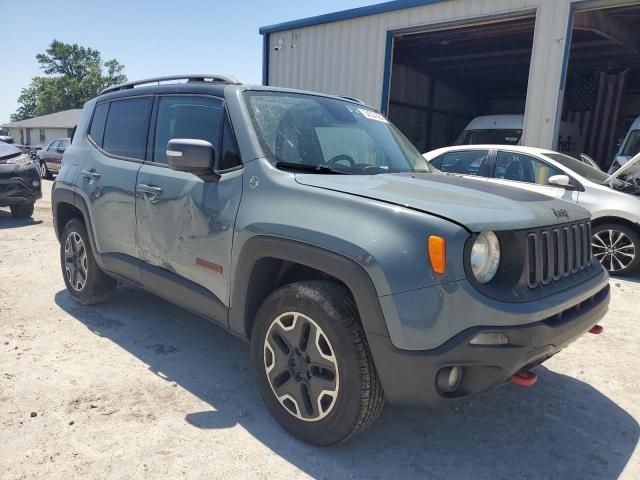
(485, 257)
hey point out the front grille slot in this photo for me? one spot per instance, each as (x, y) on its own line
(558, 253)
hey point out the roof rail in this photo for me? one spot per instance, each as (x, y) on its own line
(189, 77)
(354, 99)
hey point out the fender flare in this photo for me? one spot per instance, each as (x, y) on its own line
(65, 195)
(339, 266)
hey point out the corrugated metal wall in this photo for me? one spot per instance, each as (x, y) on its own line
(347, 57)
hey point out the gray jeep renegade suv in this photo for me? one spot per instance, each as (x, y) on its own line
(310, 226)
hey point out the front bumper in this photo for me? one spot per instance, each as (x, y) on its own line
(409, 377)
(17, 188)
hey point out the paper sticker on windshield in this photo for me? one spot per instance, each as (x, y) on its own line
(511, 139)
(371, 115)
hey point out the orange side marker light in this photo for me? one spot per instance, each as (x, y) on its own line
(438, 254)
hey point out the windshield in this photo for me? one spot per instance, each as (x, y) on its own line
(489, 137)
(329, 134)
(632, 147)
(581, 168)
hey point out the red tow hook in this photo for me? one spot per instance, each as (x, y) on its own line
(596, 330)
(525, 378)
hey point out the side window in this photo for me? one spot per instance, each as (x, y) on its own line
(187, 117)
(230, 157)
(524, 168)
(52, 146)
(96, 132)
(469, 162)
(125, 132)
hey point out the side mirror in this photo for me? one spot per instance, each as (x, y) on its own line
(60, 150)
(193, 156)
(560, 181)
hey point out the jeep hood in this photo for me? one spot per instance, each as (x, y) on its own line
(475, 204)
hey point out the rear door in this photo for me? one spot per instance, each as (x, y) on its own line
(184, 224)
(118, 142)
(464, 162)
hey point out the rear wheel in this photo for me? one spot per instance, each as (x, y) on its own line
(84, 280)
(313, 364)
(617, 247)
(22, 211)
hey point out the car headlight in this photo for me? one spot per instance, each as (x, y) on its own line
(485, 257)
(21, 160)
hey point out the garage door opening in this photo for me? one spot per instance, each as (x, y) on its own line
(443, 79)
(602, 92)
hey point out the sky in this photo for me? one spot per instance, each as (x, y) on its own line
(150, 38)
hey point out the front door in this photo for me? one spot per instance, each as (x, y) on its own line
(531, 173)
(184, 224)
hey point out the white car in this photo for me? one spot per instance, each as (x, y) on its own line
(613, 200)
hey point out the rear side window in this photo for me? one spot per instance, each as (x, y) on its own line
(187, 117)
(125, 133)
(96, 132)
(471, 162)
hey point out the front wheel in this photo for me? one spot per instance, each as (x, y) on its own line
(617, 247)
(22, 211)
(313, 365)
(84, 279)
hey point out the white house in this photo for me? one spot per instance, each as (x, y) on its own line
(39, 131)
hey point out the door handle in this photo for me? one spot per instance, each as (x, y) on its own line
(152, 192)
(90, 175)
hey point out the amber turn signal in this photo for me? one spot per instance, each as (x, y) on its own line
(438, 254)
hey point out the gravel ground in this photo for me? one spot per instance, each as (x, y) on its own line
(138, 388)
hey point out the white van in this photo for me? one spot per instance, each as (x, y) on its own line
(507, 130)
(629, 147)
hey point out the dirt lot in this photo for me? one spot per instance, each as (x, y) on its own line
(138, 388)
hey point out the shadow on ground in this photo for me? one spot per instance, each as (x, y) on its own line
(561, 428)
(7, 221)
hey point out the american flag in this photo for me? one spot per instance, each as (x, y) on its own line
(594, 102)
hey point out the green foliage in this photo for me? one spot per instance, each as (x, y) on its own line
(74, 75)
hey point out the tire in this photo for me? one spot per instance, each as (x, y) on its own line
(85, 282)
(617, 247)
(22, 211)
(44, 171)
(337, 365)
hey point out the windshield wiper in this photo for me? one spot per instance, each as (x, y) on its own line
(309, 168)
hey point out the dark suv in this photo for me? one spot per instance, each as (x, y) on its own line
(310, 226)
(19, 181)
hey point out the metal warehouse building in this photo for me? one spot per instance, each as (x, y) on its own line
(434, 65)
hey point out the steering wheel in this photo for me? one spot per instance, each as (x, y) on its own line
(343, 157)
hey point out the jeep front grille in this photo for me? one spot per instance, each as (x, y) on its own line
(557, 253)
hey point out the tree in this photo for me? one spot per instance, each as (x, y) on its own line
(74, 75)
